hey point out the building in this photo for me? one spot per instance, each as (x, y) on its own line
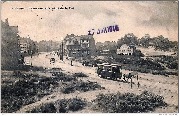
(73, 48)
(126, 50)
(10, 55)
(88, 47)
(24, 46)
(27, 46)
(79, 46)
(107, 48)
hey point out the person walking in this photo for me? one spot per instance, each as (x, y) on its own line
(71, 63)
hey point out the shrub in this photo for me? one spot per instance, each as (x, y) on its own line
(128, 102)
(26, 90)
(138, 53)
(61, 106)
(173, 65)
(80, 86)
(35, 68)
(47, 108)
(79, 75)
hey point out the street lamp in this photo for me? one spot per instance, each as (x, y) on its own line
(61, 56)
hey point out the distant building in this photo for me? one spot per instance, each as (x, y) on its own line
(107, 48)
(24, 45)
(48, 46)
(146, 36)
(27, 46)
(126, 50)
(73, 48)
(79, 46)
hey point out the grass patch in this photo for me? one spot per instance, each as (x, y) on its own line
(128, 102)
(66, 78)
(80, 86)
(80, 74)
(61, 106)
(18, 91)
(25, 92)
(35, 68)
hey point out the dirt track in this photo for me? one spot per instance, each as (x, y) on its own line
(161, 85)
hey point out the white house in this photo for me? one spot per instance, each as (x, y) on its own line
(126, 50)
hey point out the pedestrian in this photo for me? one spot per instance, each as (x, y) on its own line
(71, 63)
(138, 84)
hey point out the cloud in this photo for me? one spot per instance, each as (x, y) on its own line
(164, 14)
(155, 18)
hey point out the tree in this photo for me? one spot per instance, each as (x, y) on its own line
(128, 39)
(145, 41)
(138, 53)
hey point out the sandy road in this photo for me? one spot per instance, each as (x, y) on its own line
(160, 85)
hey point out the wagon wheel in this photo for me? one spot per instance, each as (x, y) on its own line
(102, 76)
(105, 77)
(124, 77)
(115, 77)
(120, 75)
(112, 78)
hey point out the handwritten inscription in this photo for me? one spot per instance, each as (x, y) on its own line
(108, 29)
(46, 8)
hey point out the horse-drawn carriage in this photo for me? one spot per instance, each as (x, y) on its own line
(111, 71)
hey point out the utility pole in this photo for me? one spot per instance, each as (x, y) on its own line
(51, 46)
(62, 50)
(61, 56)
(131, 82)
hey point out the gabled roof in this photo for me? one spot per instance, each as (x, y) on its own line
(72, 42)
(124, 46)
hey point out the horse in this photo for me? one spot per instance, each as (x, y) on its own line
(128, 76)
(134, 74)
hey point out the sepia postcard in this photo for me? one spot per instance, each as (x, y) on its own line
(89, 57)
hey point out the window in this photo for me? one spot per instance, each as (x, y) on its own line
(84, 45)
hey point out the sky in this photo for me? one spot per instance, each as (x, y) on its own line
(138, 17)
